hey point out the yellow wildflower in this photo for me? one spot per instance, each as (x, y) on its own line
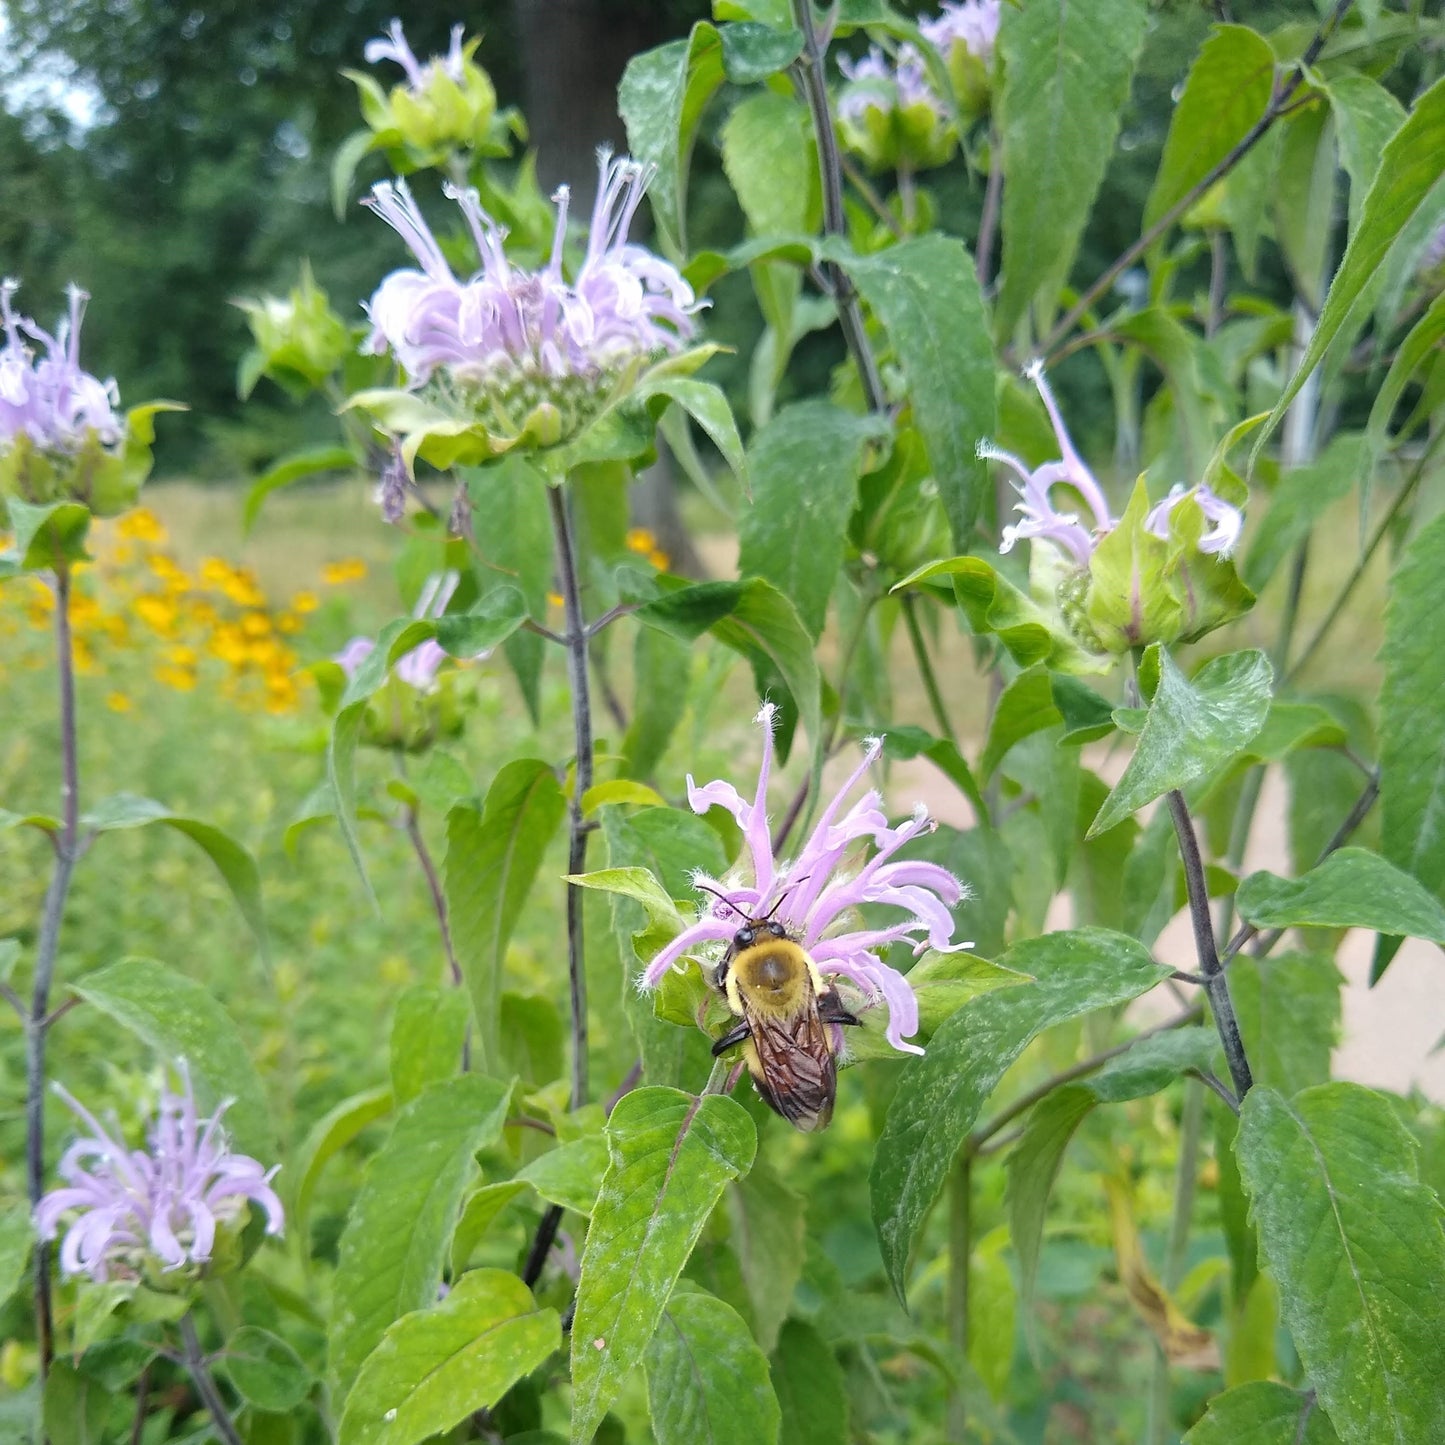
(305, 602)
(641, 539)
(256, 624)
(659, 559)
(142, 525)
(349, 569)
(183, 679)
(158, 613)
(118, 702)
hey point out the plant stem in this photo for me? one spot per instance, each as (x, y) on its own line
(835, 223)
(1282, 96)
(434, 887)
(582, 727)
(988, 221)
(925, 668)
(67, 850)
(205, 1385)
(960, 1246)
(1216, 985)
(1025, 1102)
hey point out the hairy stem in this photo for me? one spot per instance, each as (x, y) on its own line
(434, 887)
(205, 1386)
(582, 728)
(925, 668)
(960, 1246)
(1216, 985)
(67, 850)
(1283, 94)
(850, 315)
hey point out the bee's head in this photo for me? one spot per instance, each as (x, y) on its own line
(757, 930)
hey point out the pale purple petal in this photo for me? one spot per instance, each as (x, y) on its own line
(706, 930)
(1227, 521)
(354, 654)
(971, 23)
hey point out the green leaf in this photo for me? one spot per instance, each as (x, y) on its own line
(395, 1242)
(1192, 728)
(1352, 888)
(994, 605)
(44, 537)
(515, 547)
(707, 1380)
(1032, 1167)
(754, 619)
(1263, 1413)
(1227, 90)
(1066, 73)
(1412, 762)
(811, 1390)
(940, 1095)
(1412, 163)
(671, 1155)
(805, 466)
(661, 100)
(292, 468)
(16, 1235)
(571, 1174)
(1303, 199)
(1026, 706)
(1420, 348)
(925, 292)
(233, 862)
(181, 1021)
(1289, 1016)
(1354, 1243)
(1366, 116)
(753, 52)
(493, 854)
(767, 1220)
(660, 667)
(1033, 1163)
(437, 1366)
(767, 152)
(326, 1138)
(478, 1214)
(265, 1370)
(708, 406)
(427, 1034)
(75, 1409)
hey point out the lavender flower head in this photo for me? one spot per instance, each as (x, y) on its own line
(1035, 488)
(418, 669)
(973, 24)
(137, 1207)
(392, 46)
(813, 894)
(507, 340)
(51, 399)
(878, 83)
(1040, 518)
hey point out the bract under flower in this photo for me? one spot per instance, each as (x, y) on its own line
(889, 113)
(814, 895)
(517, 354)
(141, 1211)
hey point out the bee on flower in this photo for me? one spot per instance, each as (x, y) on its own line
(783, 941)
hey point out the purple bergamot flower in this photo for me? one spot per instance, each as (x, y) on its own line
(164, 1205)
(816, 894)
(507, 340)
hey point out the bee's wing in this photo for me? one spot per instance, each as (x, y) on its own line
(798, 1070)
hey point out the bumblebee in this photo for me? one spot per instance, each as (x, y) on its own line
(787, 1014)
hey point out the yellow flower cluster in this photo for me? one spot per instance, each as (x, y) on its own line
(136, 597)
(644, 542)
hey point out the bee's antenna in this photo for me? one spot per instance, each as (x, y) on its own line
(721, 897)
(782, 898)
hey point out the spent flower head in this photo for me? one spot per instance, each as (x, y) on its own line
(528, 352)
(816, 894)
(143, 1212)
(1124, 581)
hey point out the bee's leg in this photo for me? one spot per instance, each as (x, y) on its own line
(733, 1036)
(831, 1010)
